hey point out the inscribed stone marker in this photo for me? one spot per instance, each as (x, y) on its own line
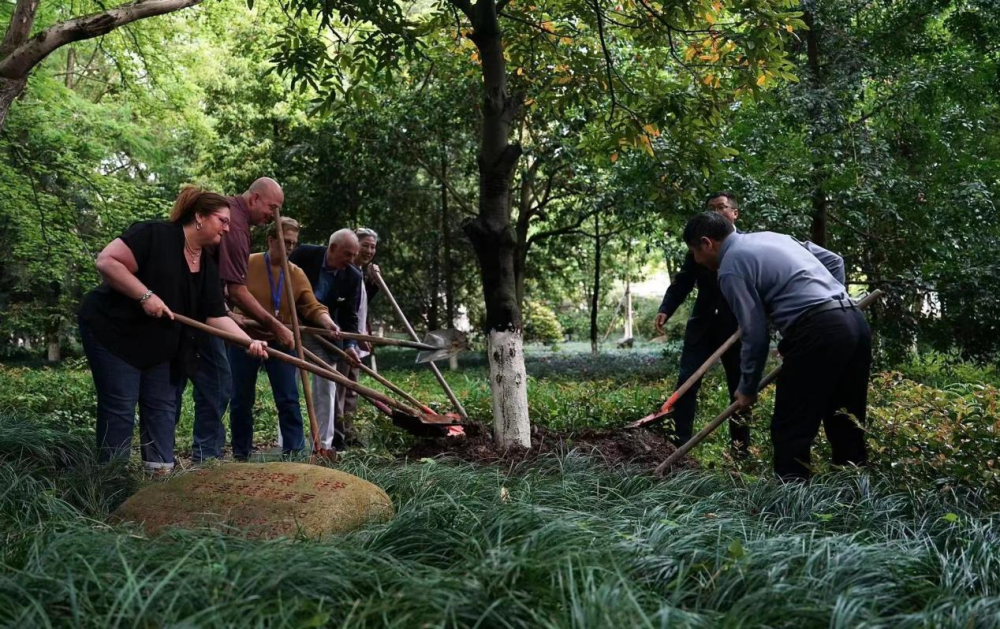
(263, 500)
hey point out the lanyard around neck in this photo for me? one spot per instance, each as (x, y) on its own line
(275, 293)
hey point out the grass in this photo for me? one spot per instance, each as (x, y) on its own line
(562, 543)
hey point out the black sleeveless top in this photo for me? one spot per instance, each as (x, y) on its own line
(120, 323)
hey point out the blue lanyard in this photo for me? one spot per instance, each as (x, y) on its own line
(275, 294)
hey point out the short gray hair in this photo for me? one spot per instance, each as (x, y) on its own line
(340, 235)
(364, 232)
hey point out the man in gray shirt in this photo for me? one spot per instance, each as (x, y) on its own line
(826, 342)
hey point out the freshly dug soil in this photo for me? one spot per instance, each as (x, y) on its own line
(640, 447)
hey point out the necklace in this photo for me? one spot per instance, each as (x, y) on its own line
(191, 254)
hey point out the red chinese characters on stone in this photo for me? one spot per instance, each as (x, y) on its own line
(281, 479)
(330, 485)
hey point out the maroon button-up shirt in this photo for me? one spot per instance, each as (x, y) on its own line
(234, 252)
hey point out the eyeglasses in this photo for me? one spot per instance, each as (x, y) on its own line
(291, 244)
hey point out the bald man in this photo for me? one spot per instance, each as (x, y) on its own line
(211, 377)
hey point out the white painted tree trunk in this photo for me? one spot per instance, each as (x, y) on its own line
(628, 310)
(509, 385)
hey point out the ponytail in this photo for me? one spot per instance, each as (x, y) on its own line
(194, 201)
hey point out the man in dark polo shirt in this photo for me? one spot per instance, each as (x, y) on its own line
(711, 323)
(213, 380)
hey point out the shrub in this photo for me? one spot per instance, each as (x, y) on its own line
(921, 434)
(541, 325)
(64, 395)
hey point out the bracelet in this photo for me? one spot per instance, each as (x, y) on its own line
(145, 296)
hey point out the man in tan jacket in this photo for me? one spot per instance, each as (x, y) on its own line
(265, 281)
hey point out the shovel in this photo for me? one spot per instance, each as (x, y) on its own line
(436, 344)
(422, 423)
(414, 416)
(668, 406)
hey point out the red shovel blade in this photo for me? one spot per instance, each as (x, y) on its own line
(652, 418)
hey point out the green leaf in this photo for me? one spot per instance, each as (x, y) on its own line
(736, 551)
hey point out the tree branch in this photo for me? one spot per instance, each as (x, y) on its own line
(455, 194)
(20, 26)
(465, 6)
(573, 227)
(19, 63)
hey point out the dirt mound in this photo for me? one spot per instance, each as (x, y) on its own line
(640, 447)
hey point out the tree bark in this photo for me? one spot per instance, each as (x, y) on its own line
(628, 310)
(19, 55)
(53, 353)
(435, 273)
(449, 279)
(10, 89)
(595, 297)
(493, 238)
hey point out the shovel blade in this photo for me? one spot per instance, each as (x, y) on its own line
(446, 338)
(652, 418)
(427, 424)
(428, 356)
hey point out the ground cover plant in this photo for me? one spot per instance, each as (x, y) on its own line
(932, 422)
(560, 543)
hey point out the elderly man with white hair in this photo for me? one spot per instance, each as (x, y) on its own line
(337, 285)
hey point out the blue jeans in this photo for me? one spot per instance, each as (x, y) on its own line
(284, 384)
(213, 384)
(120, 387)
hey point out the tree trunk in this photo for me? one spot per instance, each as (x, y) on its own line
(449, 280)
(628, 310)
(432, 310)
(70, 67)
(10, 89)
(818, 193)
(595, 297)
(493, 238)
(53, 354)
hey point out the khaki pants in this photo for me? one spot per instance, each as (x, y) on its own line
(324, 394)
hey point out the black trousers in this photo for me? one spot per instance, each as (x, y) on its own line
(827, 362)
(701, 339)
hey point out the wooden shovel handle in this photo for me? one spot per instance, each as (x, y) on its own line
(331, 375)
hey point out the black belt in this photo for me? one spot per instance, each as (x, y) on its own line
(835, 304)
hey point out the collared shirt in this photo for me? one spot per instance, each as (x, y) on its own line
(772, 275)
(325, 291)
(234, 251)
(261, 289)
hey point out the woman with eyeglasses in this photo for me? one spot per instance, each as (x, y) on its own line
(135, 349)
(266, 282)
